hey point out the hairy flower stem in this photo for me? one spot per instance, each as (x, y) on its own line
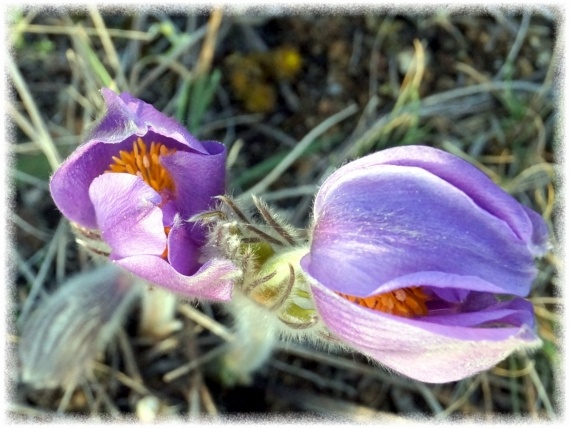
(271, 296)
(254, 341)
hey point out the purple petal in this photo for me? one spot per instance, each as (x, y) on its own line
(127, 215)
(127, 116)
(539, 244)
(377, 229)
(69, 186)
(183, 250)
(455, 171)
(169, 212)
(212, 281)
(198, 177)
(424, 351)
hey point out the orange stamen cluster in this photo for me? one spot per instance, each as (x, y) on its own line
(405, 302)
(145, 163)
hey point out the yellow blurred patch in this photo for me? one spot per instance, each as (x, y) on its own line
(253, 77)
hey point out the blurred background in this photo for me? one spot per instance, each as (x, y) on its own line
(329, 87)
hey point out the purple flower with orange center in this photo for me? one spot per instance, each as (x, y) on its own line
(418, 260)
(134, 183)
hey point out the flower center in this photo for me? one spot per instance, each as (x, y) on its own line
(145, 164)
(405, 302)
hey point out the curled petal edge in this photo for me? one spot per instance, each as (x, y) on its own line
(127, 116)
(409, 346)
(213, 281)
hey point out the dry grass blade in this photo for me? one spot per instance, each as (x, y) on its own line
(41, 134)
(409, 90)
(337, 361)
(207, 53)
(318, 380)
(185, 43)
(339, 410)
(109, 47)
(449, 104)
(182, 370)
(121, 377)
(25, 125)
(28, 228)
(515, 48)
(473, 385)
(208, 401)
(29, 412)
(206, 322)
(40, 278)
(72, 31)
(537, 382)
(129, 357)
(299, 149)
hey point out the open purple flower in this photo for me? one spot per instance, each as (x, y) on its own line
(137, 179)
(419, 261)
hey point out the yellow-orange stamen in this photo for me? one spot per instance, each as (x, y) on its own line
(145, 163)
(405, 302)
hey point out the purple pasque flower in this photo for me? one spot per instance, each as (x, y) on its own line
(136, 179)
(419, 260)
